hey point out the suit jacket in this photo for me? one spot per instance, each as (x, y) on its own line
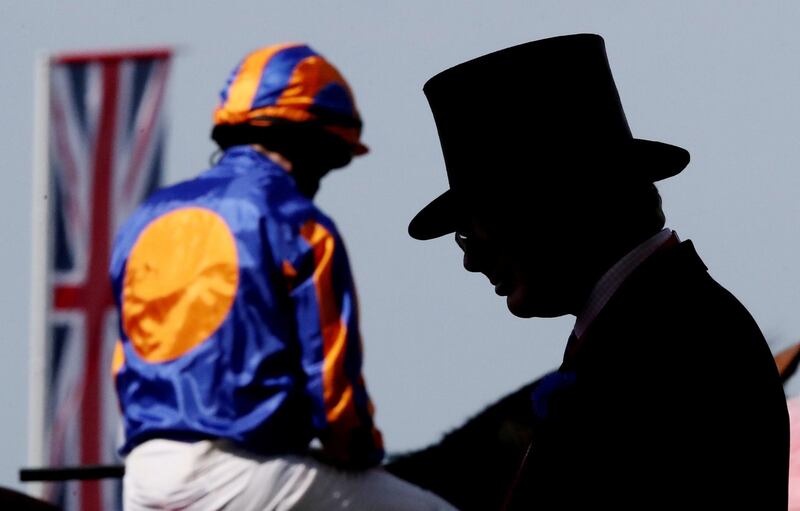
(676, 404)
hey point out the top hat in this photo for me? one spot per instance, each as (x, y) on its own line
(546, 109)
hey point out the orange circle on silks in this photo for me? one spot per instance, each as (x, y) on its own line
(180, 282)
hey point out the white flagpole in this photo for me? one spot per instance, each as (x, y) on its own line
(40, 269)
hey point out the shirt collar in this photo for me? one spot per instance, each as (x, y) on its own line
(616, 275)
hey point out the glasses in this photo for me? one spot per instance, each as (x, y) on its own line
(463, 241)
(473, 243)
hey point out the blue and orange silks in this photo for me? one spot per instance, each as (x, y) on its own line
(290, 82)
(238, 318)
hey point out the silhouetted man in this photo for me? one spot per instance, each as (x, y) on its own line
(668, 396)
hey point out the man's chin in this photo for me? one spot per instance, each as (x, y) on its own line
(524, 307)
(520, 308)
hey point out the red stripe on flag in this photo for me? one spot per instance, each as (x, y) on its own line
(98, 298)
(68, 297)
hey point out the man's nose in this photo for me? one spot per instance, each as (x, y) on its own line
(471, 262)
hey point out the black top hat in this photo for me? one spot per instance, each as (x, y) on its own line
(539, 110)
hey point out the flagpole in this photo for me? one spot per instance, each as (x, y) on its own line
(40, 267)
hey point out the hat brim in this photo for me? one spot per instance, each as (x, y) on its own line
(641, 160)
(436, 219)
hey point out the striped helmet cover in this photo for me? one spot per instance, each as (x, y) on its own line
(290, 82)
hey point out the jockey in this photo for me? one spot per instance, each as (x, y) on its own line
(238, 318)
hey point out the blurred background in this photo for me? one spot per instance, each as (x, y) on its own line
(719, 78)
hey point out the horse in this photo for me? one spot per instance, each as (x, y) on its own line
(475, 466)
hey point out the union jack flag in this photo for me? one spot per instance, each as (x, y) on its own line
(106, 142)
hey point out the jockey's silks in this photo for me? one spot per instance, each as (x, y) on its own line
(239, 317)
